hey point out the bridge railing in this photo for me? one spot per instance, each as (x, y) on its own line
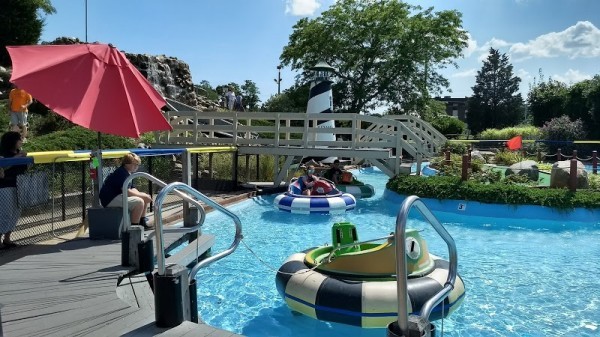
(283, 129)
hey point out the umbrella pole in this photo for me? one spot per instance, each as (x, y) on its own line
(99, 179)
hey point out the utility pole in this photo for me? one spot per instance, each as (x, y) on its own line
(278, 79)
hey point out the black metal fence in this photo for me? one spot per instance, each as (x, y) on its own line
(53, 197)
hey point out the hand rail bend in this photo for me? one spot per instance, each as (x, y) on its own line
(401, 278)
(160, 256)
(162, 184)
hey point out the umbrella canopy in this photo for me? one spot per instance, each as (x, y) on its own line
(92, 85)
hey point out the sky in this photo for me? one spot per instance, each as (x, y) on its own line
(234, 40)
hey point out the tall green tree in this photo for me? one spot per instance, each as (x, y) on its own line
(547, 99)
(250, 92)
(385, 52)
(496, 101)
(293, 99)
(22, 24)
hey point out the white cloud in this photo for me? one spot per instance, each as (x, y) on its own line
(471, 46)
(571, 76)
(581, 40)
(523, 74)
(493, 43)
(467, 73)
(302, 7)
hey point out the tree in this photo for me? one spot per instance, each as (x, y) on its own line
(250, 92)
(205, 89)
(293, 99)
(496, 101)
(583, 102)
(383, 53)
(547, 100)
(22, 24)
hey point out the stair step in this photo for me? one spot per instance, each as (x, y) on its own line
(188, 255)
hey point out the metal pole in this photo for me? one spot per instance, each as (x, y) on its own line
(278, 79)
(83, 188)
(86, 20)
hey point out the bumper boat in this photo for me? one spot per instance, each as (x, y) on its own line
(354, 283)
(325, 198)
(349, 184)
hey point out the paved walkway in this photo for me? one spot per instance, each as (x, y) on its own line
(69, 289)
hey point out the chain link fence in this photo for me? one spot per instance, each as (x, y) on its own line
(53, 198)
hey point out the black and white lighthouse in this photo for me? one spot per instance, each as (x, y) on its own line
(320, 100)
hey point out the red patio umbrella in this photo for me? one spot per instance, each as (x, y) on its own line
(92, 85)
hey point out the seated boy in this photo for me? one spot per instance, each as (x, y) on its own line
(111, 191)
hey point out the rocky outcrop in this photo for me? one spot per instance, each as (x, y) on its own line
(526, 167)
(169, 76)
(559, 176)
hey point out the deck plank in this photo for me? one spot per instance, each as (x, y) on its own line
(69, 289)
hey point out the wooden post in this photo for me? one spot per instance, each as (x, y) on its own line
(247, 167)
(558, 155)
(447, 157)
(257, 167)
(469, 154)
(539, 155)
(595, 162)
(573, 176)
(465, 168)
(574, 155)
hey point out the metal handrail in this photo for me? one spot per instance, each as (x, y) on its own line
(162, 184)
(160, 256)
(401, 279)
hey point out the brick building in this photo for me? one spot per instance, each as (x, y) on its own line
(455, 107)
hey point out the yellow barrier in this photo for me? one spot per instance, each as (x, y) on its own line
(114, 154)
(211, 149)
(49, 156)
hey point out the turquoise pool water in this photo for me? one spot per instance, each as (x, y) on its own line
(522, 277)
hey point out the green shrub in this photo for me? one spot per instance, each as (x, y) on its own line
(449, 126)
(508, 158)
(4, 116)
(448, 187)
(594, 181)
(76, 138)
(561, 129)
(527, 131)
(457, 147)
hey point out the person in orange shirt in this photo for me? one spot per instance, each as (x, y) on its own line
(18, 101)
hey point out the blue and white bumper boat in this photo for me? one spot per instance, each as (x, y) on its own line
(326, 198)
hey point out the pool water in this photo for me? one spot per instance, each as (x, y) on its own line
(522, 277)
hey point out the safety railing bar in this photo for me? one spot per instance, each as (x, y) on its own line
(162, 184)
(196, 194)
(401, 277)
(176, 230)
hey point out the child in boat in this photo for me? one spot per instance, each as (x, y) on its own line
(308, 180)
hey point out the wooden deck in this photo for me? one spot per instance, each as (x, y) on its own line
(71, 289)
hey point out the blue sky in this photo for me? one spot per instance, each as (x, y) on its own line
(231, 41)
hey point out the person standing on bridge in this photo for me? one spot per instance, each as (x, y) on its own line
(230, 98)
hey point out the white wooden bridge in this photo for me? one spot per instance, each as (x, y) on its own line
(383, 142)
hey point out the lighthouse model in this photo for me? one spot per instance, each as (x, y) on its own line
(320, 100)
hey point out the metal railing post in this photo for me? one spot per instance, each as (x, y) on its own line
(401, 276)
